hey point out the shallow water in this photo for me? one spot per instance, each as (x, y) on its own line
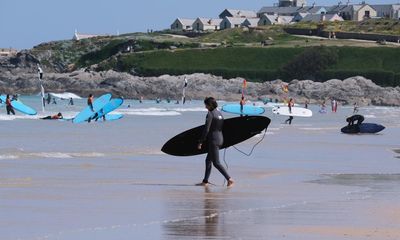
(110, 180)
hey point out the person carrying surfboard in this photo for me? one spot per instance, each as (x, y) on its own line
(9, 107)
(290, 105)
(212, 132)
(90, 102)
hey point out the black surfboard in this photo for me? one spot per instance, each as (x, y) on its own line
(235, 130)
(363, 128)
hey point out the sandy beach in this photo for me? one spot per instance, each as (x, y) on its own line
(110, 180)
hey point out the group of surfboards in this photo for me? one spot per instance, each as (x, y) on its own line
(99, 109)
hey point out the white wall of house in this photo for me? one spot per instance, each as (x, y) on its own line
(182, 25)
(228, 22)
(363, 12)
(265, 20)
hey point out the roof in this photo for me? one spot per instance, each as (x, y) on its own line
(318, 17)
(235, 20)
(242, 13)
(210, 21)
(386, 7)
(290, 10)
(285, 19)
(253, 21)
(185, 21)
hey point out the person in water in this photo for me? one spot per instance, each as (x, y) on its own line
(71, 101)
(9, 107)
(355, 108)
(54, 117)
(212, 132)
(90, 102)
(352, 119)
(290, 105)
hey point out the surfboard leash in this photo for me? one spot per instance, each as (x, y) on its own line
(254, 146)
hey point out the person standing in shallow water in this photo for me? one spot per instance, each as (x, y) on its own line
(90, 102)
(213, 134)
(9, 107)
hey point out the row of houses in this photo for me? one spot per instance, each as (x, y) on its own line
(7, 52)
(231, 18)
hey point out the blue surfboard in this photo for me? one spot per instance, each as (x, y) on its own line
(247, 109)
(110, 106)
(98, 104)
(19, 106)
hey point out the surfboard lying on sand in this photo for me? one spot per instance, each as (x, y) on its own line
(363, 128)
(98, 104)
(247, 109)
(296, 111)
(110, 106)
(19, 106)
(235, 130)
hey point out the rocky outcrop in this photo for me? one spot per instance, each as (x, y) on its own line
(348, 91)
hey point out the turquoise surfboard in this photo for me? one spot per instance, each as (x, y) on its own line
(19, 106)
(98, 104)
(110, 106)
(247, 109)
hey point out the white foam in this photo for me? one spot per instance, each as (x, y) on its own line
(196, 109)
(148, 112)
(51, 155)
(8, 156)
(370, 116)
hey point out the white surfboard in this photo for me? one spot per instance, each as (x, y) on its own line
(273, 104)
(296, 111)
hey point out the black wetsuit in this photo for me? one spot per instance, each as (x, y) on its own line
(352, 119)
(213, 134)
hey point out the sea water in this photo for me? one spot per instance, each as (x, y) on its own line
(109, 180)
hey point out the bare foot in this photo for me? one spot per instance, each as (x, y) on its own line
(230, 182)
(202, 184)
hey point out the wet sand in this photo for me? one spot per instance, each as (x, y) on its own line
(110, 181)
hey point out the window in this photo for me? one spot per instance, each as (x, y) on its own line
(198, 26)
(265, 22)
(366, 14)
(177, 26)
(225, 25)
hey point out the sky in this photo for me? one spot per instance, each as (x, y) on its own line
(26, 23)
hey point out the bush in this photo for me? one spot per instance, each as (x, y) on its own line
(309, 63)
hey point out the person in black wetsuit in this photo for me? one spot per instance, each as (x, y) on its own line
(352, 119)
(213, 134)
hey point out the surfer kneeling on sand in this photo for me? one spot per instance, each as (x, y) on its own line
(54, 117)
(213, 134)
(352, 119)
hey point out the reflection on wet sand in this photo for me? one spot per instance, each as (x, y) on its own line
(208, 206)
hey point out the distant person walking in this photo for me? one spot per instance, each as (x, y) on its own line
(90, 102)
(290, 105)
(212, 132)
(306, 104)
(9, 107)
(355, 108)
(71, 101)
(242, 103)
(334, 105)
(40, 72)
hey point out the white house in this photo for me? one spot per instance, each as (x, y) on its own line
(230, 22)
(322, 18)
(206, 24)
(357, 12)
(182, 24)
(299, 16)
(266, 19)
(251, 22)
(387, 11)
(237, 13)
(7, 52)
